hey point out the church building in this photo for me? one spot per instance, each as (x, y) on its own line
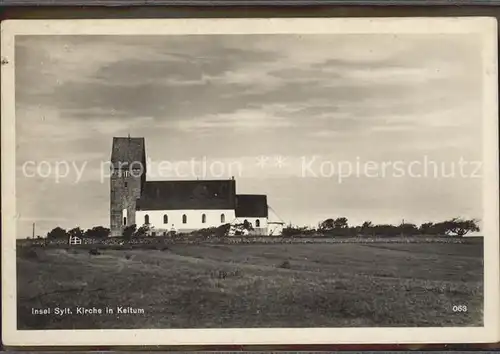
(181, 205)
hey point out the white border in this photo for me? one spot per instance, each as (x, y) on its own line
(485, 27)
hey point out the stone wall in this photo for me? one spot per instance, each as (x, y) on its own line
(181, 239)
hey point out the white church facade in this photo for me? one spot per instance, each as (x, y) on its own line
(184, 220)
(180, 205)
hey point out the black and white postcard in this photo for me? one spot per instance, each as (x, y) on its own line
(250, 181)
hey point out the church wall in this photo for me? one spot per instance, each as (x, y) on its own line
(194, 219)
(252, 220)
(275, 229)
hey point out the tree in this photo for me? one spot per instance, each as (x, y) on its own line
(293, 230)
(57, 233)
(408, 229)
(427, 228)
(336, 227)
(366, 228)
(97, 232)
(454, 227)
(341, 223)
(386, 230)
(243, 228)
(461, 227)
(129, 231)
(76, 232)
(247, 225)
(326, 225)
(367, 225)
(441, 228)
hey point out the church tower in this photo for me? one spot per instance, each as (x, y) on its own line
(128, 176)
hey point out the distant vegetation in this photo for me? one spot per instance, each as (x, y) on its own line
(332, 227)
(95, 232)
(457, 227)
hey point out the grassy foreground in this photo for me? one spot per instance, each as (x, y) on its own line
(223, 286)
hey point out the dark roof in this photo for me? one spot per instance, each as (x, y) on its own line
(128, 150)
(197, 194)
(251, 205)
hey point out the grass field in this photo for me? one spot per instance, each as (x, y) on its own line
(221, 286)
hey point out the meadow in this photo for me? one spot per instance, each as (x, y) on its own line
(254, 285)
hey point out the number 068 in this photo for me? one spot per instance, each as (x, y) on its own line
(459, 308)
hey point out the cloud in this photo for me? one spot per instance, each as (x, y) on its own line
(182, 82)
(254, 120)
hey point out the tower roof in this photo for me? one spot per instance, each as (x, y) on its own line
(127, 149)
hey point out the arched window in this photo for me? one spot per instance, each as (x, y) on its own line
(222, 218)
(257, 223)
(125, 220)
(165, 219)
(203, 218)
(146, 219)
(184, 219)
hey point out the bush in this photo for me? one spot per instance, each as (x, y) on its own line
(285, 265)
(241, 229)
(29, 253)
(222, 230)
(341, 232)
(204, 233)
(142, 231)
(223, 274)
(129, 231)
(219, 231)
(291, 231)
(94, 251)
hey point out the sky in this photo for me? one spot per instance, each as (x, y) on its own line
(372, 127)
